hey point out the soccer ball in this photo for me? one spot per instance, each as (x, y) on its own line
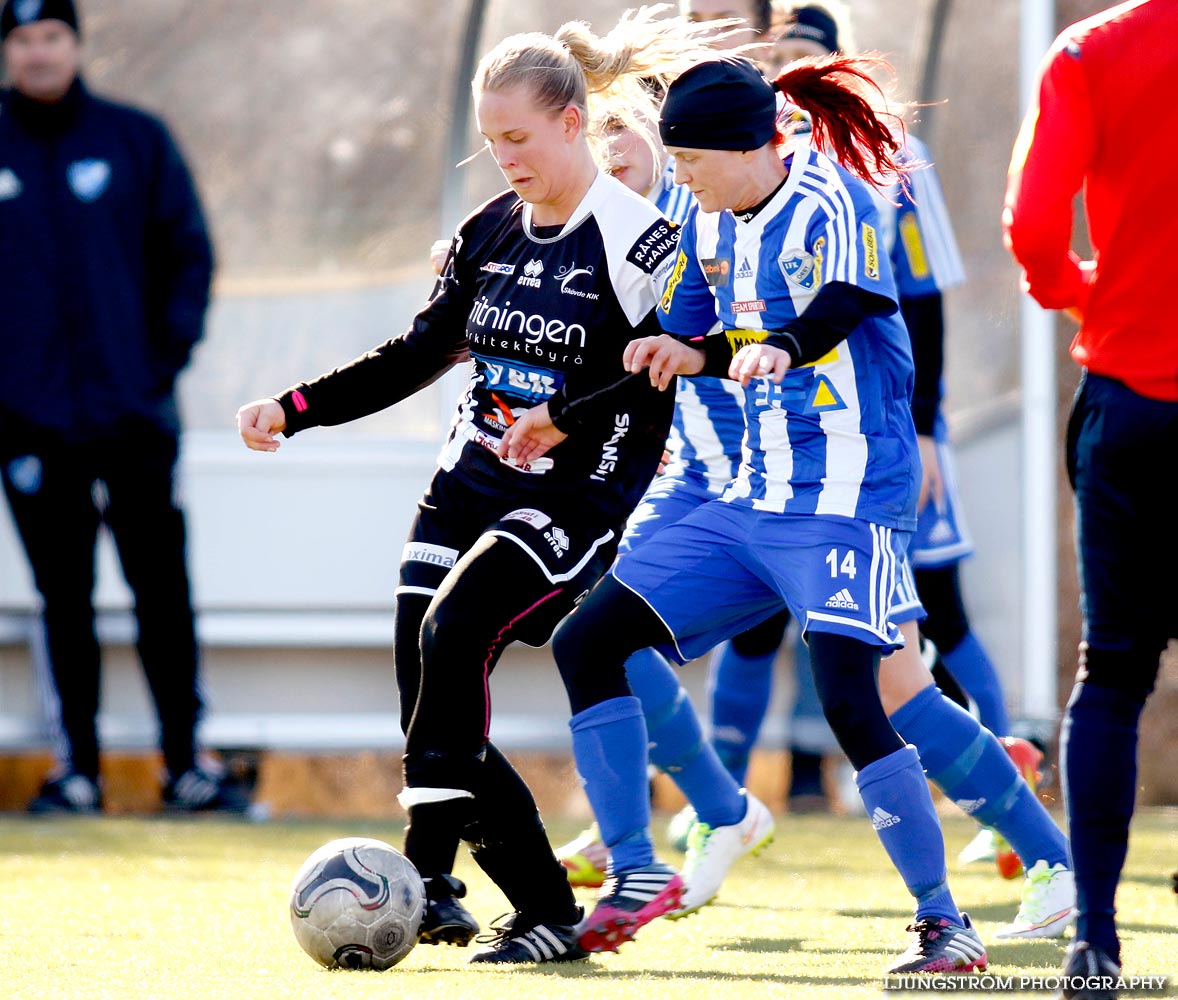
(357, 903)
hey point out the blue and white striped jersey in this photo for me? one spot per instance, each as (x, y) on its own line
(915, 228)
(918, 235)
(708, 427)
(836, 436)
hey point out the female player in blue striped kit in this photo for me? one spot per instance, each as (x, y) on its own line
(705, 450)
(967, 763)
(820, 514)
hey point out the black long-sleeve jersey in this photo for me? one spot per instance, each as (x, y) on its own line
(545, 316)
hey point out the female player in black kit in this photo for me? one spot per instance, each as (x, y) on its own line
(544, 287)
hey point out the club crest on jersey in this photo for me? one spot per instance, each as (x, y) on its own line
(88, 179)
(531, 276)
(10, 185)
(494, 268)
(25, 474)
(27, 10)
(654, 245)
(799, 268)
(568, 274)
(870, 253)
(716, 270)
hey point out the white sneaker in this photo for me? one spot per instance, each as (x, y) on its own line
(982, 848)
(1049, 897)
(679, 829)
(711, 851)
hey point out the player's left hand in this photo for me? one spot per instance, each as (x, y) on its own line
(532, 435)
(757, 360)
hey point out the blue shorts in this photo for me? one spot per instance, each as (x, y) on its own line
(725, 567)
(669, 499)
(942, 536)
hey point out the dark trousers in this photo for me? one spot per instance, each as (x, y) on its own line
(1122, 449)
(59, 494)
(1122, 452)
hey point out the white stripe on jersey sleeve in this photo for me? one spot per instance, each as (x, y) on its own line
(822, 181)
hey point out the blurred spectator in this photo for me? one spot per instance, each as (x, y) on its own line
(1102, 88)
(104, 274)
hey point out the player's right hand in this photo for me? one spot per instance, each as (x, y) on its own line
(664, 357)
(258, 422)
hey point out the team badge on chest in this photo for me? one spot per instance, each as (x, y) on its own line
(88, 179)
(799, 268)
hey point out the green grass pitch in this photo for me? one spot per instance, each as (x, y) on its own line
(197, 910)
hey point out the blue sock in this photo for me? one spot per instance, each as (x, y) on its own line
(896, 796)
(972, 668)
(609, 746)
(740, 690)
(1099, 750)
(677, 744)
(970, 766)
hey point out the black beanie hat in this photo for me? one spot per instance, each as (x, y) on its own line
(19, 12)
(722, 103)
(814, 24)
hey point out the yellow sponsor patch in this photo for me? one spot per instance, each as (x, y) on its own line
(829, 358)
(870, 253)
(673, 282)
(913, 246)
(742, 338)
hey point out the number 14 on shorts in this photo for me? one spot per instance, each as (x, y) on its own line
(841, 562)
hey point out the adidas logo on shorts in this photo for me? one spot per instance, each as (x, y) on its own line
(843, 599)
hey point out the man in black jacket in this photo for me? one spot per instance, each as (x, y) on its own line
(105, 266)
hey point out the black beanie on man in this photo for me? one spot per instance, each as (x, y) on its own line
(721, 103)
(21, 12)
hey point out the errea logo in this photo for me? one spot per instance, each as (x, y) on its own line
(558, 540)
(531, 276)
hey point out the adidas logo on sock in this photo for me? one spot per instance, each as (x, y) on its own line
(881, 819)
(843, 599)
(969, 806)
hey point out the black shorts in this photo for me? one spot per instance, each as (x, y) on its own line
(572, 543)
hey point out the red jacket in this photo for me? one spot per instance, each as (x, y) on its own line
(1106, 117)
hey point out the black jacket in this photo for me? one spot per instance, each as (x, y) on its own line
(105, 265)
